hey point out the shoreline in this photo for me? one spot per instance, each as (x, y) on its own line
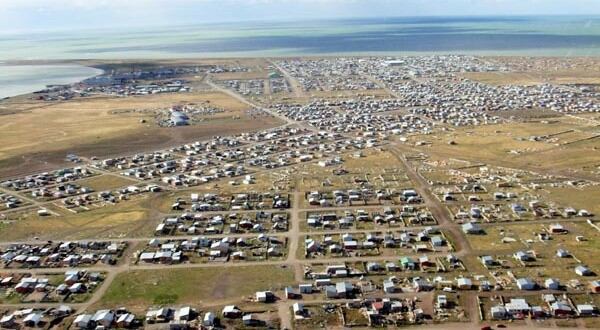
(24, 79)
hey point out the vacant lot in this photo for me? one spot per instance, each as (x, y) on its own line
(206, 286)
(105, 182)
(132, 218)
(512, 145)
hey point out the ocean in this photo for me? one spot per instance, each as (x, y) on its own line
(543, 35)
(536, 36)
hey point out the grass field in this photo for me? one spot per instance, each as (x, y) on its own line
(509, 145)
(206, 286)
(132, 218)
(105, 182)
(578, 197)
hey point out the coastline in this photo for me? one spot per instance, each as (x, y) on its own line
(22, 79)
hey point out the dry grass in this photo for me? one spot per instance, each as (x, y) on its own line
(132, 218)
(206, 286)
(509, 145)
(105, 182)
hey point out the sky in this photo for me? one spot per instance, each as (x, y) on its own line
(44, 15)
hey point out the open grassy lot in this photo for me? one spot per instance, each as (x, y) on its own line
(132, 218)
(207, 286)
(105, 182)
(585, 197)
(37, 135)
(511, 145)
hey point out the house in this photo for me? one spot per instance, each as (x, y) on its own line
(184, 314)
(231, 312)
(595, 286)
(407, 263)
(425, 262)
(586, 310)
(374, 267)
(437, 241)
(472, 228)
(32, 320)
(421, 285)
(321, 282)
(498, 312)
(561, 309)
(517, 306)
(77, 288)
(464, 283)
(208, 319)
(125, 320)
(305, 288)
(159, 315)
(583, 271)
(525, 284)
(83, 321)
(389, 286)
(330, 292)
(147, 257)
(517, 208)
(298, 309)
(7, 321)
(487, 260)
(485, 286)
(251, 320)
(441, 301)
(523, 256)
(561, 253)
(344, 289)
(104, 317)
(265, 296)
(557, 228)
(552, 284)
(391, 267)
